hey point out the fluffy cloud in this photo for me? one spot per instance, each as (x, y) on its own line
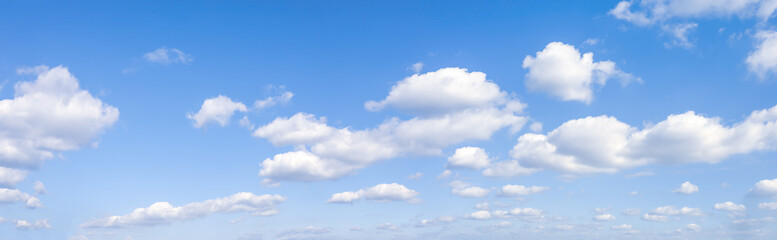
(485, 215)
(604, 217)
(654, 218)
(167, 56)
(465, 106)
(165, 213)
(442, 91)
(216, 110)
(8, 195)
(561, 71)
(605, 145)
(25, 225)
(520, 190)
(687, 188)
(469, 157)
(765, 188)
(729, 206)
(464, 189)
(48, 115)
(380, 193)
(763, 60)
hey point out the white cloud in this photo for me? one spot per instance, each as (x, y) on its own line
(417, 67)
(687, 188)
(622, 227)
(415, 176)
(768, 205)
(605, 145)
(693, 227)
(435, 221)
(654, 218)
(650, 11)
(520, 190)
(8, 195)
(765, 188)
(471, 192)
(335, 152)
(507, 169)
(469, 157)
(479, 215)
(674, 211)
(165, 213)
(284, 98)
(631, 211)
(302, 233)
(681, 32)
(441, 91)
(216, 110)
(561, 71)
(9, 176)
(167, 56)
(729, 206)
(464, 189)
(528, 214)
(48, 115)
(389, 227)
(380, 193)
(444, 174)
(604, 217)
(763, 60)
(25, 225)
(39, 188)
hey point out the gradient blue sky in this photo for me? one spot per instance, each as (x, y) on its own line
(342, 120)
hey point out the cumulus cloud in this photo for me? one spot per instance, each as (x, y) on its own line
(561, 71)
(8, 195)
(39, 188)
(165, 213)
(462, 106)
(25, 225)
(464, 189)
(765, 188)
(730, 206)
(167, 56)
(520, 190)
(604, 217)
(469, 157)
(381, 193)
(763, 60)
(442, 91)
(605, 145)
(479, 215)
(48, 115)
(687, 188)
(217, 110)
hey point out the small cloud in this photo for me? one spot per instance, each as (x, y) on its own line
(415, 176)
(687, 188)
(416, 67)
(167, 56)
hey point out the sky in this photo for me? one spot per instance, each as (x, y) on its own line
(643, 119)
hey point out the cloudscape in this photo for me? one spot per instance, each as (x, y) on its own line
(248, 120)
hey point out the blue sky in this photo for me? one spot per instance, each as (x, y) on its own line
(388, 120)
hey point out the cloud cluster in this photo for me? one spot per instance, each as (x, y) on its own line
(8, 195)
(165, 213)
(730, 206)
(561, 71)
(25, 225)
(605, 145)
(520, 190)
(662, 214)
(380, 193)
(452, 105)
(651, 12)
(526, 214)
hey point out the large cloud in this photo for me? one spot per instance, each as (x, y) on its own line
(50, 114)
(380, 193)
(325, 152)
(765, 188)
(561, 71)
(605, 145)
(165, 213)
